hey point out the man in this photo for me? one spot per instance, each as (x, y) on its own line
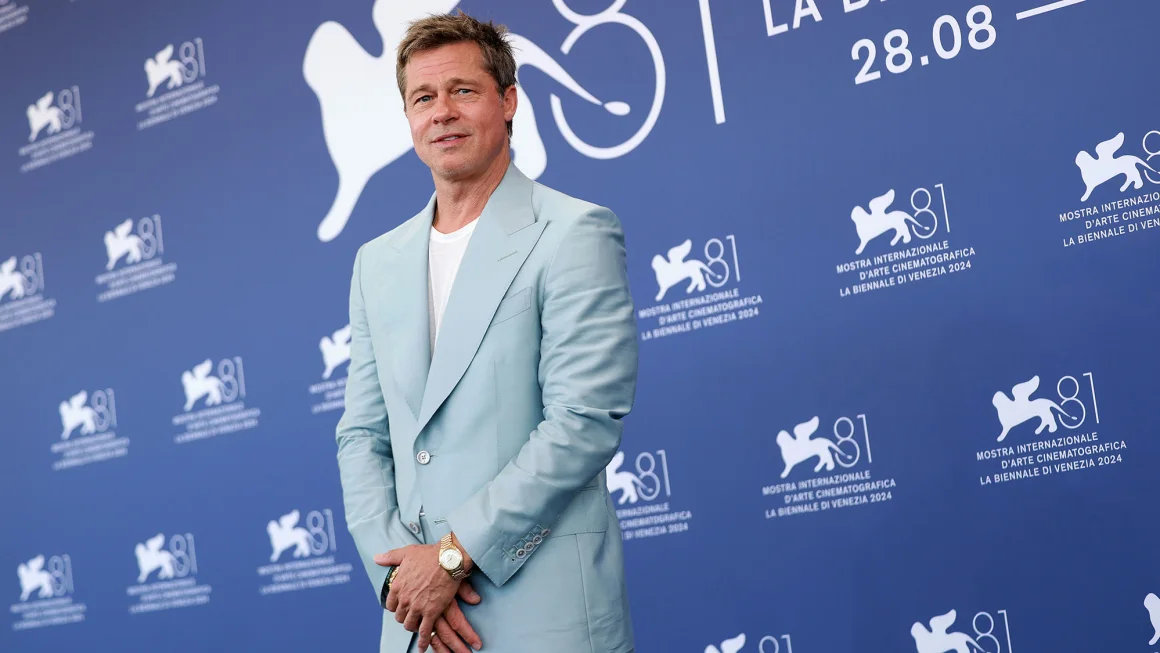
(493, 359)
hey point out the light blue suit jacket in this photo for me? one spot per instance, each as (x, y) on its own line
(516, 416)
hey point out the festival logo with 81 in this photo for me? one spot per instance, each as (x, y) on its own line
(889, 242)
(1038, 436)
(22, 299)
(642, 494)
(826, 474)
(694, 294)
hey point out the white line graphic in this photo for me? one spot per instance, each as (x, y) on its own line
(1046, 8)
(711, 56)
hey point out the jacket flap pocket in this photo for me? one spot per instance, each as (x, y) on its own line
(588, 513)
(514, 304)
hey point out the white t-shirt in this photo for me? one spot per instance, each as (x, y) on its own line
(443, 258)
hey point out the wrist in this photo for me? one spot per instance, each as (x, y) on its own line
(453, 558)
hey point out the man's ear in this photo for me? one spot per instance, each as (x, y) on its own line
(510, 100)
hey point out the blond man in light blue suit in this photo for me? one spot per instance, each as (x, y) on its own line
(473, 470)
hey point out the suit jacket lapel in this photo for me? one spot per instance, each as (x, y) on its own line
(406, 309)
(503, 238)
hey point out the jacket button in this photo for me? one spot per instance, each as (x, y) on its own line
(414, 528)
(521, 553)
(423, 457)
(536, 539)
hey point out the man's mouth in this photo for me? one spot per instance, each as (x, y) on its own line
(450, 138)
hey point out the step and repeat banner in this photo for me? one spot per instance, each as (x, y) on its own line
(895, 270)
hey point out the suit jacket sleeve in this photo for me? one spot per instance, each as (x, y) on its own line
(587, 372)
(366, 467)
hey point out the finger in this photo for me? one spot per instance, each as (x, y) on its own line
(411, 623)
(393, 595)
(468, 593)
(446, 635)
(439, 646)
(403, 612)
(458, 621)
(426, 628)
(390, 558)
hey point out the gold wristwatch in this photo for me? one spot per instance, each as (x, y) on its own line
(451, 558)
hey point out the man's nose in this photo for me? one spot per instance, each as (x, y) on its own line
(445, 110)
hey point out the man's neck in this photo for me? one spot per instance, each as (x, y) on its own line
(458, 202)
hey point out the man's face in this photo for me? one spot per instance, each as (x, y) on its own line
(457, 117)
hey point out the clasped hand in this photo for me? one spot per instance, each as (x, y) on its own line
(422, 596)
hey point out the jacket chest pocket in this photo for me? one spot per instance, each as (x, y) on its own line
(514, 304)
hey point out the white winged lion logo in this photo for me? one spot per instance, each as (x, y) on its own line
(674, 269)
(938, 640)
(1106, 166)
(1020, 407)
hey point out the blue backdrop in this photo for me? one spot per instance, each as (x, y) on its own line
(895, 267)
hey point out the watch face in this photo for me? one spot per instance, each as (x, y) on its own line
(450, 559)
